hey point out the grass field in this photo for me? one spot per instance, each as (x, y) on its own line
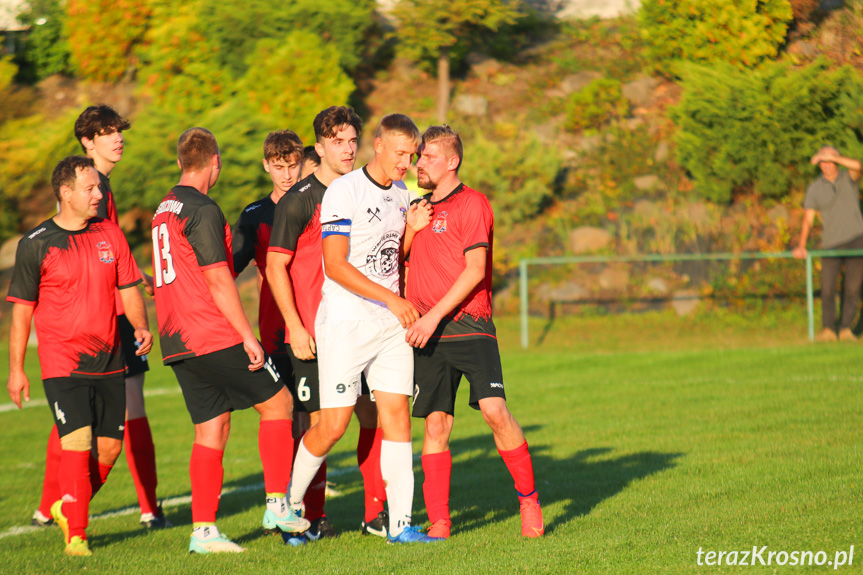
(652, 437)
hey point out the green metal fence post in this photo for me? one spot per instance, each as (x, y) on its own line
(522, 292)
(810, 307)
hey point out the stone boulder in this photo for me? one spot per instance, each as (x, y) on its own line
(577, 82)
(640, 92)
(685, 302)
(657, 286)
(663, 151)
(568, 291)
(647, 210)
(7, 252)
(646, 183)
(588, 239)
(613, 279)
(470, 105)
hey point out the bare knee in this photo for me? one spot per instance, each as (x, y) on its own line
(79, 440)
(367, 412)
(280, 406)
(109, 450)
(496, 414)
(438, 426)
(215, 432)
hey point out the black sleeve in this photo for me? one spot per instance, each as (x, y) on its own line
(290, 221)
(27, 274)
(205, 230)
(243, 241)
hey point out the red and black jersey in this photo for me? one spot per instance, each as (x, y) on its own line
(71, 277)
(190, 236)
(462, 221)
(297, 231)
(251, 240)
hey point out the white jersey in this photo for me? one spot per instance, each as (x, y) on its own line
(373, 218)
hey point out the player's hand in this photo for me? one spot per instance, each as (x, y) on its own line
(148, 284)
(403, 310)
(145, 341)
(419, 215)
(799, 253)
(302, 343)
(16, 385)
(255, 352)
(420, 332)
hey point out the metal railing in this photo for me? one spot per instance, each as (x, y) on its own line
(810, 307)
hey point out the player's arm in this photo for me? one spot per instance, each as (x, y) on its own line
(473, 273)
(227, 299)
(808, 219)
(19, 334)
(336, 249)
(136, 313)
(418, 216)
(302, 342)
(243, 244)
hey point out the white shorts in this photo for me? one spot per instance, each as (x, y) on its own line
(347, 349)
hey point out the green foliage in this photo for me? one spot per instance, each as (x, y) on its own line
(101, 35)
(740, 32)
(235, 26)
(598, 103)
(513, 168)
(258, 104)
(758, 129)
(426, 26)
(46, 51)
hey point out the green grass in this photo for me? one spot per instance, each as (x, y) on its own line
(679, 435)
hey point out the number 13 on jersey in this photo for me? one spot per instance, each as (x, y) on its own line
(162, 260)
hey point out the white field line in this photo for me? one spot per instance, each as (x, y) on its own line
(179, 500)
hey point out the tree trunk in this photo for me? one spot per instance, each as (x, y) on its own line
(442, 85)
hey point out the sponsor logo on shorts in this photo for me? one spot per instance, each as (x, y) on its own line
(106, 255)
(352, 386)
(416, 392)
(496, 384)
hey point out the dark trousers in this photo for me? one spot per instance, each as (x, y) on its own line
(830, 268)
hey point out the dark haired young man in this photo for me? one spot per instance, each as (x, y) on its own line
(207, 340)
(99, 129)
(67, 270)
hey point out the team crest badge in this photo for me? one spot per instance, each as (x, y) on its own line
(439, 225)
(106, 255)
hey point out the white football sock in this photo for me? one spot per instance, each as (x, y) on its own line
(306, 467)
(398, 474)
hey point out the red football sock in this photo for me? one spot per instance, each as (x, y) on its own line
(437, 468)
(206, 473)
(51, 482)
(275, 442)
(141, 457)
(76, 490)
(316, 494)
(521, 468)
(98, 474)
(369, 460)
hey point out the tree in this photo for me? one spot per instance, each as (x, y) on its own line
(46, 50)
(101, 35)
(428, 28)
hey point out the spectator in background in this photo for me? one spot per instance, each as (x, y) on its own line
(835, 195)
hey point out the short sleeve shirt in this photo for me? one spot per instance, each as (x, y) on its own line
(251, 238)
(297, 231)
(462, 221)
(190, 236)
(838, 202)
(70, 277)
(373, 218)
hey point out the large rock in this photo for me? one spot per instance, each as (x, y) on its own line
(577, 82)
(685, 302)
(657, 286)
(7, 252)
(646, 183)
(640, 92)
(663, 151)
(647, 210)
(588, 239)
(613, 279)
(699, 213)
(470, 105)
(569, 291)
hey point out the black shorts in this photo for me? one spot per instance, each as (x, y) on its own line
(98, 403)
(135, 364)
(438, 369)
(220, 382)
